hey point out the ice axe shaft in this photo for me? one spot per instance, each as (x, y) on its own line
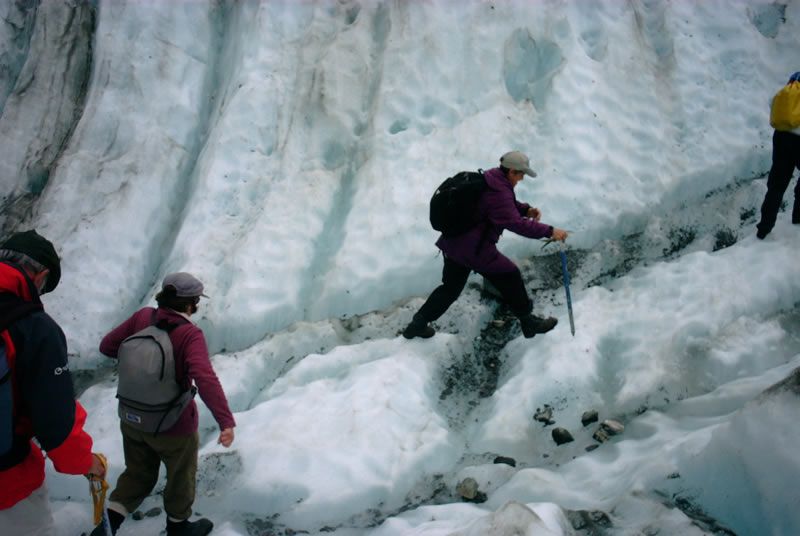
(104, 513)
(98, 488)
(565, 271)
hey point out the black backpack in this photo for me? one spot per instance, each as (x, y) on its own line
(13, 308)
(454, 203)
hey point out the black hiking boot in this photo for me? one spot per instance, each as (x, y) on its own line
(532, 324)
(201, 527)
(418, 329)
(115, 519)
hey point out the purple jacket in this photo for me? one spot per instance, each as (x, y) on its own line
(499, 209)
(191, 363)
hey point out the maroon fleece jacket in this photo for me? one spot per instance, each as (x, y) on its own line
(192, 364)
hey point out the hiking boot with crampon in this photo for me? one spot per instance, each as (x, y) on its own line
(532, 324)
(418, 329)
(201, 527)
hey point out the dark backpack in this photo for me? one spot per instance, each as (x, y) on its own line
(455, 202)
(6, 402)
(13, 308)
(150, 397)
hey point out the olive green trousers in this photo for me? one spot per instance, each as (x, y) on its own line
(144, 454)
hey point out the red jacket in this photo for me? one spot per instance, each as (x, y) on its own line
(44, 400)
(191, 364)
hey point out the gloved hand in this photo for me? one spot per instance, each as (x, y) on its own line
(99, 466)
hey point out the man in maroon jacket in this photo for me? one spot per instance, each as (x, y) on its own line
(176, 447)
(44, 405)
(476, 250)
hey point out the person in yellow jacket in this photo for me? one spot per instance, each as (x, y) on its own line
(785, 158)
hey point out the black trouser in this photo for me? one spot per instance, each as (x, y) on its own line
(785, 157)
(454, 277)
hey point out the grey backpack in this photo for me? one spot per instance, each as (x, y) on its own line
(150, 397)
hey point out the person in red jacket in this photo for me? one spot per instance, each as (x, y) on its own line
(44, 405)
(177, 446)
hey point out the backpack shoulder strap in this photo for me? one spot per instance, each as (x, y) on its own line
(166, 327)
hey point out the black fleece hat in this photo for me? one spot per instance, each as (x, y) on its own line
(39, 249)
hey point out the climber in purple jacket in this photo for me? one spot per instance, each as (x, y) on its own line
(476, 250)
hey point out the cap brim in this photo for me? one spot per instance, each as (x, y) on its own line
(530, 172)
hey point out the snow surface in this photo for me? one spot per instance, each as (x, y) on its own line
(285, 152)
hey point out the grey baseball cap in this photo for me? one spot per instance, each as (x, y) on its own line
(185, 284)
(518, 162)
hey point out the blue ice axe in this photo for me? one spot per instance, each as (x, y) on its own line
(566, 288)
(566, 283)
